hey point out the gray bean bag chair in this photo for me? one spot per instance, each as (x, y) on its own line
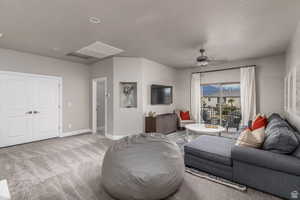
(142, 167)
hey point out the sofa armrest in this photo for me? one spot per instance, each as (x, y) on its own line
(279, 162)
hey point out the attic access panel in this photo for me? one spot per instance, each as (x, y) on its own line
(99, 50)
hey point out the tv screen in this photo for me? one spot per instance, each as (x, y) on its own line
(161, 94)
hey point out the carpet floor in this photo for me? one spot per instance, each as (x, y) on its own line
(70, 169)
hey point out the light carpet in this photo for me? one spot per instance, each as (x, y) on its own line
(70, 169)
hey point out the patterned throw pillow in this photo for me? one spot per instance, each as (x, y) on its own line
(254, 136)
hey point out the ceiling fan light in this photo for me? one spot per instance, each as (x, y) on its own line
(202, 63)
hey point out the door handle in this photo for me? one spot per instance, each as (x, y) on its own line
(29, 113)
(36, 112)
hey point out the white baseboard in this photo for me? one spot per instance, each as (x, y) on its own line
(115, 137)
(4, 192)
(77, 132)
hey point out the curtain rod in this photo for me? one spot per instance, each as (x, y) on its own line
(216, 70)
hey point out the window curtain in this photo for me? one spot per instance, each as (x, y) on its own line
(196, 97)
(248, 95)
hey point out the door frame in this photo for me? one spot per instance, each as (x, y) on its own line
(60, 93)
(94, 104)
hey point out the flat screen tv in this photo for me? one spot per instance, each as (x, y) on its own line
(161, 94)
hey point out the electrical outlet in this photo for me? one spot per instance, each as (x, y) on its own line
(69, 126)
(69, 104)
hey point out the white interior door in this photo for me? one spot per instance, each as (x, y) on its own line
(29, 108)
(15, 109)
(100, 105)
(45, 108)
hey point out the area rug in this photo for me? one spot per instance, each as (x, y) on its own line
(216, 179)
(179, 138)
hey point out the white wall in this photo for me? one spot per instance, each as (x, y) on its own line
(228, 76)
(155, 73)
(128, 121)
(292, 62)
(145, 73)
(75, 83)
(269, 83)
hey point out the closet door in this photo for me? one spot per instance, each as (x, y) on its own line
(45, 108)
(15, 109)
(29, 108)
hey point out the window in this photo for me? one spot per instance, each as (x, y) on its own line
(220, 104)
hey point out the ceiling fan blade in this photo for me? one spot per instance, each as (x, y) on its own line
(214, 62)
(210, 63)
(203, 60)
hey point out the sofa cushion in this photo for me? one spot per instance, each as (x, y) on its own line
(213, 148)
(274, 116)
(208, 166)
(281, 140)
(279, 162)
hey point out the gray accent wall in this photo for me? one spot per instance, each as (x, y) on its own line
(75, 83)
(269, 82)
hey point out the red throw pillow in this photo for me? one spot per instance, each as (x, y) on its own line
(185, 115)
(259, 123)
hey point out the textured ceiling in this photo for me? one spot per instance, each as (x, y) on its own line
(166, 31)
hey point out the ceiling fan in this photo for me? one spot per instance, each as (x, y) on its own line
(204, 60)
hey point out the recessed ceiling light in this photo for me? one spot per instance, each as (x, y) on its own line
(56, 49)
(94, 20)
(1, 35)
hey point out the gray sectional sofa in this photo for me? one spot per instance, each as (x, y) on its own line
(275, 168)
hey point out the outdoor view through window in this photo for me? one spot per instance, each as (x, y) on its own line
(220, 104)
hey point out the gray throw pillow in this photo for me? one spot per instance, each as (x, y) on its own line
(274, 116)
(275, 123)
(297, 152)
(292, 127)
(281, 140)
(297, 135)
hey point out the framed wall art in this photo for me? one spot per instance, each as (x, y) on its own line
(128, 94)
